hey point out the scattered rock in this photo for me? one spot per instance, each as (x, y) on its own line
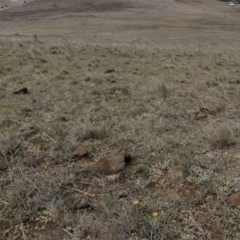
(65, 72)
(112, 163)
(123, 194)
(80, 152)
(234, 200)
(110, 71)
(22, 91)
(87, 79)
(42, 60)
(63, 119)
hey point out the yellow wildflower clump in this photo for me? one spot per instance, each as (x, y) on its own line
(155, 214)
(135, 202)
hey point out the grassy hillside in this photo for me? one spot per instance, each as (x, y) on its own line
(175, 112)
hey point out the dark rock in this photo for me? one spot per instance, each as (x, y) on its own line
(78, 201)
(110, 71)
(22, 91)
(123, 194)
(112, 163)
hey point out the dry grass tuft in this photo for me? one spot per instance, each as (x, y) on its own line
(221, 136)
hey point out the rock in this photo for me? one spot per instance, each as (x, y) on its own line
(42, 60)
(233, 200)
(110, 71)
(22, 91)
(112, 163)
(80, 152)
(123, 194)
(78, 201)
(87, 79)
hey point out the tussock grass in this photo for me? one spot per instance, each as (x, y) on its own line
(221, 135)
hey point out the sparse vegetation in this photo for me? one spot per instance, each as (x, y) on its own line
(163, 90)
(164, 95)
(220, 136)
(142, 169)
(44, 187)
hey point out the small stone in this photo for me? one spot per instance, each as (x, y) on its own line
(22, 91)
(78, 202)
(112, 163)
(123, 194)
(87, 79)
(42, 60)
(80, 152)
(110, 71)
(234, 200)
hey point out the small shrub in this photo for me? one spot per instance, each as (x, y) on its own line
(95, 92)
(8, 145)
(99, 132)
(221, 137)
(163, 90)
(142, 169)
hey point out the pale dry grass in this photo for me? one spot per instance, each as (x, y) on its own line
(161, 105)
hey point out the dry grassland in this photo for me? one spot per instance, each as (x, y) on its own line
(174, 109)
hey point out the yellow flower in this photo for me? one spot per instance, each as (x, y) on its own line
(135, 202)
(155, 214)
